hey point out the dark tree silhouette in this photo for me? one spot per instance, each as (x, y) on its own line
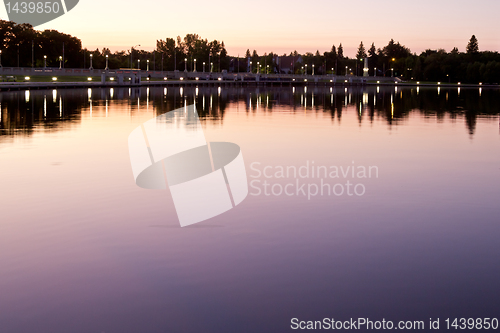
(473, 46)
(340, 51)
(361, 52)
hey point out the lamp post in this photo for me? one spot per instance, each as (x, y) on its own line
(258, 67)
(306, 68)
(107, 58)
(139, 64)
(375, 71)
(211, 67)
(302, 70)
(250, 67)
(91, 56)
(332, 71)
(345, 70)
(147, 65)
(267, 69)
(60, 62)
(203, 67)
(1, 58)
(44, 61)
(131, 58)
(313, 70)
(392, 72)
(185, 64)
(194, 70)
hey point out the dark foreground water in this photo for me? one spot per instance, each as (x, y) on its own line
(416, 234)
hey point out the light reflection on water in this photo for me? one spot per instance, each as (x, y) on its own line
(83, 249)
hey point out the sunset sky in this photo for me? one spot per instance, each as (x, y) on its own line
(281, 26)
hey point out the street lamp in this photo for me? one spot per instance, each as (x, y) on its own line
(91, 56)
(44, 61)
(345, 70)
(60, 62)
(211, 67)
(332, 71)
(203, 67)
(194, 70)
(302, 70)
(1, 58)
(131, 58)
(250, 67)
(306, 69)
(139, 64)
(147, 65)
(185, 64)
(375, 71)
(107, 67)
(313, 70)
(258, 66)
(392, 72)
(267, 69)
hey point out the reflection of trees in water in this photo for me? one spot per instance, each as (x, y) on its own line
(22, 112)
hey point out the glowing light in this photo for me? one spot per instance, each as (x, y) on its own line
(89, 79)
(111, 78)
(220, 79)
(164, 79)
(197, 78)
(182, 79)
(54, 79)
(27, 78)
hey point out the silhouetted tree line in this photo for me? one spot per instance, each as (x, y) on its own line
(23, 46)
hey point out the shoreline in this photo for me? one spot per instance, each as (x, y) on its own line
(13, 86)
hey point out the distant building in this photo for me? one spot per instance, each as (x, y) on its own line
(285, 64)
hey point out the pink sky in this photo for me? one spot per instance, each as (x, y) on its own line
(285, 26)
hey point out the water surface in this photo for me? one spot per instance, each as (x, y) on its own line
(83, 249)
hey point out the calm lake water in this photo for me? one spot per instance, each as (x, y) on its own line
(83, 249)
